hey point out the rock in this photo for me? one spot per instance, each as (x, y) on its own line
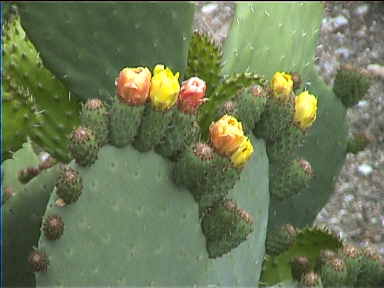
(365, 169)
(361, 10)
(208, 9)
(376, 70)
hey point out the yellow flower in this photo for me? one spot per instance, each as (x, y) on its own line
(133, 85)
(305, 109)
(282, 85)
(226, 135)
(165, 88)
(242, 154)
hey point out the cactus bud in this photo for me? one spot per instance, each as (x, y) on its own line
(282, 85)
(281, 239)
(225, 227)
(242, 154)
(310, 279)
(352, 258)
(350, 85)
(305, 110)
(299, 265)
(38, 260)
(296, 80)
(133, 85)
(94, 115)
(69, 185)
(334, 273)
(191, 95)
(226, 135)
(203, 151)
(324, 257)
(306, 166)
(165, 88)
(84, 147)
(27, 174)
(53, 227)
(372, 269)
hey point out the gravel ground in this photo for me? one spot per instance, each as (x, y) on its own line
(351, 32)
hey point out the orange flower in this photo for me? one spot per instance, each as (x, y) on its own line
(133, 85)
(226, 135)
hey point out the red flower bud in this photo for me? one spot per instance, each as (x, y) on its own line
(191, 95)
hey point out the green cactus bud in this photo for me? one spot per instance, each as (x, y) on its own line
(277, 116)
(208, 175)
(357, 143)
(225, 227)
(53, 227)
(290, 179)
(38, 260)
(350, 85)
(324, 257)
(69, 185)
(124, 122)
(153, 127)
(28, 174)
(181, 132)
(280, 240)
(84, 146)
(334, 273)
(372, 269)
(311, 279)
(353, 260)
(300, 265)
(94, 115)
(247, 106)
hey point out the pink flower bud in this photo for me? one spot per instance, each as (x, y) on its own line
(191, 95)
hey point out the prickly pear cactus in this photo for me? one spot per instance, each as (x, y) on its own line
(265, 38)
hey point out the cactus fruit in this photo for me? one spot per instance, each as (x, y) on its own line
(372, 268)
(300, 265)
(84, 146)
(94, 116)
(69, 185)
(353, 260)
(350, 85)
(280, 240)
(311, 280)
(334, 273)
(225, 227)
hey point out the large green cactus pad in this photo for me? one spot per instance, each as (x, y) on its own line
(86, 44)
(28, 82)
(156, 237)
(266, 38)
(21, 228)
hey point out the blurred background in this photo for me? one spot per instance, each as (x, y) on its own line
(351, 32)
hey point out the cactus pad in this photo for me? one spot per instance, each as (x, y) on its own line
(155, 222)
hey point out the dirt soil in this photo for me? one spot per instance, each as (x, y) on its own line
(351, 32)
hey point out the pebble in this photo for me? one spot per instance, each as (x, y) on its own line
(344, 52)
(362, 103)
(208, 9)
(348, 197)
(361, 10)
(376, 70)
(365, 169)
(336, 23)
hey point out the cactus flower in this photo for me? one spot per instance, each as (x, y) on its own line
(242, 154)
(282, 85)
(191, 95)
(305, 109)
(165, 88)
(133, 85)
(226, 135)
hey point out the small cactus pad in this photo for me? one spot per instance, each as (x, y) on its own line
(204, 59)
(21, 228)
(225, 227)
(155, 222)
(132, 29)
(308, 243)
(350, 85)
